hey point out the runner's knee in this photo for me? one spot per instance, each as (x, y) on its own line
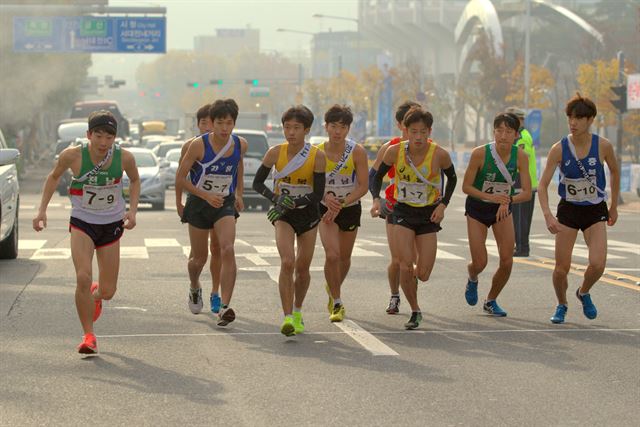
(561, 271)
(227, 252)
(197, 261)
(332, 257)
(423, 274)
(597, 266)
(215, 250)
(83, 278)
(107, 292)
(287, 264)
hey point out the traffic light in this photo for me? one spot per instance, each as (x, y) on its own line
(252, 82)
(621, 103)
(194, 85)
(117, 83)
(215, 82)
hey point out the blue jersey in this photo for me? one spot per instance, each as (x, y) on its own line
(573, 186)
(220, 177)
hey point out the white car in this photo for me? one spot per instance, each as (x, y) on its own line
(9, 200)
(173, 157)
(151, 170)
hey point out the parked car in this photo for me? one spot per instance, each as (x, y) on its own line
(316, 140)
(9, 200)
(161, 149)
(173, 157)
(152, 188)
(82, 110)
(151, 141)
(256, 149)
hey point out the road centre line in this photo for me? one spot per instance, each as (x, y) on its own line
(607, 271)
(365, 339)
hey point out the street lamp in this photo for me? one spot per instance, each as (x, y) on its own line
(287, 30)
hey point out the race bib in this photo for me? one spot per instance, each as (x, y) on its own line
(496, 188)
(339, 191)
(580, 190)
(413, 192)
(294, 191)
(217, 184)
(100, 197)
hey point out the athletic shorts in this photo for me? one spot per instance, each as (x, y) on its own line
(199, 213)
(101, 234)
(484, 212)
(581, 217)
(386, 211)
(303, 219)
(349, 217)
(416, 219)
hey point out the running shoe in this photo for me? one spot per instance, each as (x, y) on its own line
(588, 308)
(471, 292)
(195, 300)
(216, 302)
(492, 308)
(226, 316)
(298, 323)
(330, 303)
(414, 320)
(97, 311)
(88, 345)
(561, 311)
(394, 305)
(337, 314)
(287, 328)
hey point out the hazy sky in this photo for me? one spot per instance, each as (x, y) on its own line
(189, 18)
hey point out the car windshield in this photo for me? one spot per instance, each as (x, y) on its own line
(144, 159)
(162, 149)
(173, 156)
(256, 145)
(71, 131)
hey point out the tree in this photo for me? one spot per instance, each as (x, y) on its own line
(541, 83)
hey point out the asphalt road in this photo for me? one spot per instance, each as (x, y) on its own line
(161, 365)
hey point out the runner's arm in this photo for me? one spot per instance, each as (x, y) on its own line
(194, 153)
(553, 159)
(319, 178)
(525, 178)
(130, 168)
(387, 161)
(183, 151)
(362, 180)
(610, 158)
(240, 186)
(449, 170)
(376, 164)
(263, 171)
(49, 187)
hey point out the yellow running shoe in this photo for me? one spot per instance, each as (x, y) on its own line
(330, 303)
(298, 323)
(337, 314)
(287, 327)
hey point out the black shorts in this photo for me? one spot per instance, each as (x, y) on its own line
(416, 219)
(349, 217)
(483, 212)
(581, 217)
(386, 211)
(199, 213)
(101, 234)
(303, 219)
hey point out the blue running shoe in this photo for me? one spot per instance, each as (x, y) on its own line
(216, 302)
(588, 308)
(561, 311)
(471, 292)
(492, 308)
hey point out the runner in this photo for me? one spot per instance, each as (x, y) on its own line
(299, 186)
(205, 125)
(214, 164)
(346, 182)
(489, 185)
(583, 202)
(420, 205)
(98, 216)
(384, 208)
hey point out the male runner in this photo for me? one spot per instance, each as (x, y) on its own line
(384, 208)
(489, 185)
(205, 125)
(214, 164)
(420, 205)
(299, 186)
(98, 216)
(583, 202)
(346, 182)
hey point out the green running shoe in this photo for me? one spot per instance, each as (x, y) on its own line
(298, 323)
(287, 327)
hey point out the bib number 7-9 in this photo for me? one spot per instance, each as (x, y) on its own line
(99, 197)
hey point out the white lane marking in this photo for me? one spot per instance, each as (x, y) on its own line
(52, 253)
(370, 242)
(274, 271)
(135, 252)
(365, 339)
(186, 250)
(242, 242)
(622, 269)
(446, 255)
(359, 252)
(127, 308)
(623, 244)
(31, 244)
(29, 207)
(266, 250)
(461, 210)
(256, 259)
(582, 253)
(161, 243)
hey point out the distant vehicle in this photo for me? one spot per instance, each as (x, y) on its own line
(9, 200)
(257, 146)
(151, 170)
(316, 140)
(161, 149)
(252, 121)
(153, 127)
(173, 157)
(68, 131)
(82, 110)
(373, 143)
(151, 141)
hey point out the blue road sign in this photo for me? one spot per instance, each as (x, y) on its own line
(385, 104)
(92, 34)
(533, 123)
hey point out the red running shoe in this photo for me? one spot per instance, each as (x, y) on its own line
(98, 309)
(88, 345)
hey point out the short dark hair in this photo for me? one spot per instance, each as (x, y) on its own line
(404, 108)
(339, 114)
(417, 114)
(102, 121)
(509, 119)
(222, 108)
(581, 106)
(299, 113)
(203, 112)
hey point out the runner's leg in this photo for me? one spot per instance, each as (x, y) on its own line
(216, 262)
(427, 247)
(347, 241)
(82, 254)
(477, 233)
(285, 242)
(596, 239)
(225, 229)
(503, 232)
(565, 240)
(108, 267)
(199, 252)
(330, 237)
(306, 246)
(393, 270)
(406, 257)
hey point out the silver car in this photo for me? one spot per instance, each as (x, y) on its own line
(151, 170)
(9, 200)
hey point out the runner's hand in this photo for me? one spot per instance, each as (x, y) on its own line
(375, 208)
(385, 212)
(553, 225)
(275, 213)
(332, 202)
(613, 216)
(503, 212)
(329, 216)
(180, 209)
(215, 200)
(40, 218)
(438, 214)
(285, 201)
(503, 199)
(129, 220)
(239, 204)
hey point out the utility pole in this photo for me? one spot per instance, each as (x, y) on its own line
(619, 116)
(527, 54)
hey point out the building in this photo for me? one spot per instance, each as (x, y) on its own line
(228, 41)
(334, 51)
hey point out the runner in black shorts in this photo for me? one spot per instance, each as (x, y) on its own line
(349, 217)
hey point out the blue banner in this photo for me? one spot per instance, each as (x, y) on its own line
(533, 123)
(385, 105)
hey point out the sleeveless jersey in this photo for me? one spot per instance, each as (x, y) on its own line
(220, 177)
(490, 180)
(344, 181)
(391, 188)
(409, 188)
(573, 186)
(98, 199)
(300, 181)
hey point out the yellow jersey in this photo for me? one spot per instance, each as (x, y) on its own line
(410, 189)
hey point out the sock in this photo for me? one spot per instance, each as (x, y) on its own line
(215, 294)
(396, 295)
(473, 281)
(289, 316)
(488, 300)
(297, 309)
(337, 301)
(224, 306)
(582, 294)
